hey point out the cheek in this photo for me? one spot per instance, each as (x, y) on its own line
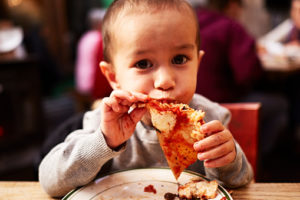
(192, 76)
(191, 85)
(134, 83)
(188, 85)
(297, 22)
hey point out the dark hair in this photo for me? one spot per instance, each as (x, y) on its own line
(222, 4)
(118, 7)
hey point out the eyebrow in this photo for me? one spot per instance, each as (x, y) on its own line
(185, 46)
(141, 52)
(179, 47)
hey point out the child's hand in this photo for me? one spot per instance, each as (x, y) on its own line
(117, 124)
(218, 149)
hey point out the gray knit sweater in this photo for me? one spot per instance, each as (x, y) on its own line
(84, 154)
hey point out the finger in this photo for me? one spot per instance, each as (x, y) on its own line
(140, 96)
(110, 104)
(137, 114)
(221, 161)
(115, 104)
(212, 141)
(120, 106)
(122, 95)
(121, 100)
(123, 109)
(106, 104)
(128, 98)
(124, 102)
(130, 120)
(217, 152)
(212, 127)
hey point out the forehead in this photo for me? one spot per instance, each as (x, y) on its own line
(157, 34)
(135, 24)
(296, 3)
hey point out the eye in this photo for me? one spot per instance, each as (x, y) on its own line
(179, 60)
(143, 64)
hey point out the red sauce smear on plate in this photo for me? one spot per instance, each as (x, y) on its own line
(150, 188)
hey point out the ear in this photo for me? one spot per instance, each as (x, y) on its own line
(108, 71)
(200, 56)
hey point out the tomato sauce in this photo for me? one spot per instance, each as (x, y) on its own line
(150, 188)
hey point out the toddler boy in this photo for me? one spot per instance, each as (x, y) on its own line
(151, 49)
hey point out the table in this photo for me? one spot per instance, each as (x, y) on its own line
(276, 56)
(268, 191)
(10, 190)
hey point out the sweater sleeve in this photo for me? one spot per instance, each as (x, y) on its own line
(77, 160)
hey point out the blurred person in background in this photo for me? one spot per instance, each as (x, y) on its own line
(11, 38)
(231, 70)
(278, 11)
(293, 39)
(287, 33)
(27, 16)
(294, 35)
(90, 82)
(230, 66)
(282, 45)
(255, 17)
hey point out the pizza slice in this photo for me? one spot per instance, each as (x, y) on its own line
(178, 128)
(200, 189)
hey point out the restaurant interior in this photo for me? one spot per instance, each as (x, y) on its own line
(39, 90)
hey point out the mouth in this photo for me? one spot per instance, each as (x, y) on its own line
(163, 98)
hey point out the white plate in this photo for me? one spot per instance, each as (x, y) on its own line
(10, 39)
(130, 184)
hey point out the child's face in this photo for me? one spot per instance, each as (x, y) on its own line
(155, 54)
(295, 13)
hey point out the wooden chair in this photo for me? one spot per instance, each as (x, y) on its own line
(244, 127)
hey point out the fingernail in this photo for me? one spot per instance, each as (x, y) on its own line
(195, 144)
(199, 156)
(202, 129)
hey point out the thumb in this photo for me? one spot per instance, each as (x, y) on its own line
(137, 114)
(131, 120)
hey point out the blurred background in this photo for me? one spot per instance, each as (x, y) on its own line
(41, 85)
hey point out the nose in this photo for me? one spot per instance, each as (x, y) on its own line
(164, 78)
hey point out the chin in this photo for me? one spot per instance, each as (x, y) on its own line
(185, 99)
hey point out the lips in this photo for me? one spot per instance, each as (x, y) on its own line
(163, 96)
(177, 96)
